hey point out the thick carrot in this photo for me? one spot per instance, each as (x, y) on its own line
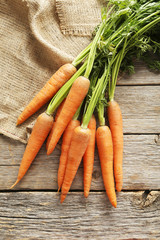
(77, 149)
(105, 150)
(88, 158)
(55, 119)
(64, 149)
(116, 126)
(74, 99)
(39, 133)
(58, 79)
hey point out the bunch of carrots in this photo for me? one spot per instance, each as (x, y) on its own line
(87, 86)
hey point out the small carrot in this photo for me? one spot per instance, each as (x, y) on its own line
(50, 135)
(105, 150)
(39, 133)
(75, 97)
(79, 142)
(58, 79)
(55, 119)
(59, 110)
(65, 148)
(116, 126)
(88, 158)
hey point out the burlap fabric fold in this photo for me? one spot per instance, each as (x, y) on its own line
(37, 37)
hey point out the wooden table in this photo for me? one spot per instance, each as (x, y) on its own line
(33, 210)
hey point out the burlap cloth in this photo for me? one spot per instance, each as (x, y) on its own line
(37, 36)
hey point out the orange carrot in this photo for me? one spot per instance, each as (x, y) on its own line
(57, 114)
(105, 150)
(116, 126)
(79, 142)
(58, 79)
(59, 110)
(50, 135)
(65, 148)
(88, 158)
(39, 133)
(75, 97)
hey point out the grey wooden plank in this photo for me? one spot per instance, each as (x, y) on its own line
(141, 166)
(142, 76)
(39, 215)
(140, 107)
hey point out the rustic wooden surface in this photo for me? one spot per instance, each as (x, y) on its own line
(141, 166)
(32, 210)
(39, 215)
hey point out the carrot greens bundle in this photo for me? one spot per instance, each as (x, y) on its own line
(128, 30)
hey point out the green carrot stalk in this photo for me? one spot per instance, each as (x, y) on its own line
(92, 53)
(81, 56)
(95, 96)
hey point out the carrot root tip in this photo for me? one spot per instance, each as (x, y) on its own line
(49, 151)
(114, 205)
(114, 202)
(17, 123)
(86, 193)
(14, 184)
(63, 198)
(118, 188)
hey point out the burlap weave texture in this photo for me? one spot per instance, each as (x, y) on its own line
(34, 43)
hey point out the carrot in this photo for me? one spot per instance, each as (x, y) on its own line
(58, 79)
(50, 135)
(88, 158)
(79, 142)
(105, 150)
(116, 126)
(64, 150)
(75, 97)
(59, 110)
(39, 133)
(57, 114)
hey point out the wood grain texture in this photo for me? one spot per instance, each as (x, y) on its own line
(142, 76)
(141, 166)
(140, 107)
(39, 215)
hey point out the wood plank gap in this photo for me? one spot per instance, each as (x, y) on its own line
(141, 134)
(75, 190)
(138, 85)
(12, 217)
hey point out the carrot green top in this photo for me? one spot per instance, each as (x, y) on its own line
(128, 29)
